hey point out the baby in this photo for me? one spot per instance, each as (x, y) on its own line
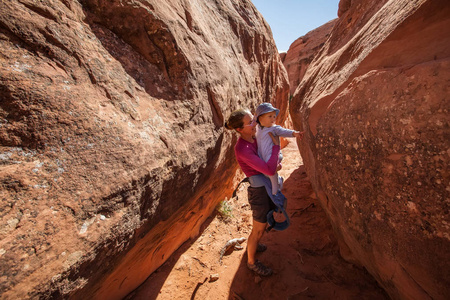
(265, 116)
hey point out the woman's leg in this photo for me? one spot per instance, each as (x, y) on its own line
(260, 204)
(253, 240)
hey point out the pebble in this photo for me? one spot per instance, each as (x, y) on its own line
(213, 277)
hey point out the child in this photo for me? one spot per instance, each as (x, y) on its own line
(265, 116)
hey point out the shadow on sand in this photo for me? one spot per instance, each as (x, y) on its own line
(149, 289)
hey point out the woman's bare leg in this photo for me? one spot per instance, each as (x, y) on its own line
(253, 240)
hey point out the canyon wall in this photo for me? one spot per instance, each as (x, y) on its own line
(111, 131)
(375, 103)
(302, 51)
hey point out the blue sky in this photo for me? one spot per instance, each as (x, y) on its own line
(291, 19)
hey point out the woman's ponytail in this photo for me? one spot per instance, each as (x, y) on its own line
(235, 120)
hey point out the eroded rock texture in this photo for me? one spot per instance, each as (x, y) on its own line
(302, 52)
(112, 146)
(374, 104)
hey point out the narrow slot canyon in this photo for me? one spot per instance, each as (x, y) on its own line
(119, 181)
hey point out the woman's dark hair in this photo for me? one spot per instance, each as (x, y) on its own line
(235, 120)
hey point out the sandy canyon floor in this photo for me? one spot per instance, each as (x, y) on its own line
(305, 257)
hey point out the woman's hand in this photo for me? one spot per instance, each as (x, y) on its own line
(275, 139)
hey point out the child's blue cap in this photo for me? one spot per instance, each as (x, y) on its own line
(265, 108)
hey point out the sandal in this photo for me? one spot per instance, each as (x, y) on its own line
(261, 248)
(260, 269)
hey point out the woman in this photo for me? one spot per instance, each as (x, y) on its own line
(246, 151)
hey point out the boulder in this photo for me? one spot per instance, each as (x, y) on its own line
(375, 106)
(113, 151)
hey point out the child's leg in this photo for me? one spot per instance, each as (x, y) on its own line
(274, 181)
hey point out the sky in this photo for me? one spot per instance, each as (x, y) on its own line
(291, 19)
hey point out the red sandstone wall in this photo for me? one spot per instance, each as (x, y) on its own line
(302, 51)
(374, 104)
(112, 145)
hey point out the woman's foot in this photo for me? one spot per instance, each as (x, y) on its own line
(260, 269)
(261, 248)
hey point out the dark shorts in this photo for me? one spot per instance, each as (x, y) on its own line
(260, 203)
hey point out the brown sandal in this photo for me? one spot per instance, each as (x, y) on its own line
(260, 269)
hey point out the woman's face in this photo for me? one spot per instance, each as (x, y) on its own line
(249, 127)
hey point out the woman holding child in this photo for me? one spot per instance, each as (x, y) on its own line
(246, 151)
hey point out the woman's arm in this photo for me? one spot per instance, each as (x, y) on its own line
(251, 159)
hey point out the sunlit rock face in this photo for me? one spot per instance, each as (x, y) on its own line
(302, 51)
(113, 151)
(374, 103)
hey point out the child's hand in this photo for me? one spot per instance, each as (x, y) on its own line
(298, 134)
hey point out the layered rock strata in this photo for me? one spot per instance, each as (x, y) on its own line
(374, 104)
(112, 147)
